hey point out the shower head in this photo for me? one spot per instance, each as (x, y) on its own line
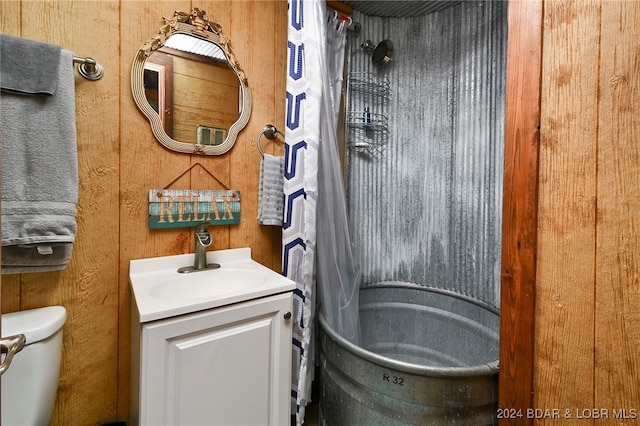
(380, 53)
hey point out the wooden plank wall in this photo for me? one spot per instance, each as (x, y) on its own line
(88, 287)
(587, 317)
(253, 29)
(212, 100)
(565, 289)
(119, 161)
(617, 293)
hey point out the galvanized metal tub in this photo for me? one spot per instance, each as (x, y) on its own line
(428, 357)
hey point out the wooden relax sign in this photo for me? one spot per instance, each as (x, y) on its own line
(178, 208)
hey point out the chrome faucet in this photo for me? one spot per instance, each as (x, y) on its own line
(202, 241)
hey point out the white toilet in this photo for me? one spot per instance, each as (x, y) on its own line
(30, 385)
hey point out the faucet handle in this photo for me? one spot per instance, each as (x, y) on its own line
(202, 227)
(204, 238)
(203, 235)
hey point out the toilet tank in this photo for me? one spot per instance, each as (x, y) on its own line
(30, 385)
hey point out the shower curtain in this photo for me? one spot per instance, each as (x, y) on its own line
(337, 272)
(314, 195)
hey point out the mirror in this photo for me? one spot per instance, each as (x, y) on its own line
(188, 83)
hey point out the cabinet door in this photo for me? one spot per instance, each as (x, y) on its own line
(227, 366)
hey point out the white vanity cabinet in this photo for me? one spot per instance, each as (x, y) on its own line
(226, 365)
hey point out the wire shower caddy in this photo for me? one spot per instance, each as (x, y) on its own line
(367, 127)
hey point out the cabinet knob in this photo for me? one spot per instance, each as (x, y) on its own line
(287, 315)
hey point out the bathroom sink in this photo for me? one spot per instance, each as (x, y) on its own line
(159, 291)
(205, 284)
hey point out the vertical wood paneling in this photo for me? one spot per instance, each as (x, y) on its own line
(262, 71)
(145, 164)
(519, 239)
(220, 166)
(119, 161)
(119, 158)
(617, 310)
(567, 207)
(88, 287)
(10, 17)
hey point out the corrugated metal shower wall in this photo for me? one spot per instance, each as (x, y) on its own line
(425, 206)
(398, 8)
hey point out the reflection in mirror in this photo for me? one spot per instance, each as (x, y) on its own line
(190, 86)
(159, 93)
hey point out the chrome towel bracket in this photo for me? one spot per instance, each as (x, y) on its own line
(89, 68)
(270, 132)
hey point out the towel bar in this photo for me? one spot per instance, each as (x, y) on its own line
(89, 68)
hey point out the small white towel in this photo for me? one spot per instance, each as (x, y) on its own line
(270, 191)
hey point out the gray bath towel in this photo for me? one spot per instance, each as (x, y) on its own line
(270, 191)
(39, 176)
(35, 258)
(28, 67)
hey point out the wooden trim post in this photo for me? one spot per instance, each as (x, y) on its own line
(519, 228)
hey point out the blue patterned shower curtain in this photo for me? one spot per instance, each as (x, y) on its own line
(306, 71)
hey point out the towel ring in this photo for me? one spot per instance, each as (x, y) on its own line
(270, 132)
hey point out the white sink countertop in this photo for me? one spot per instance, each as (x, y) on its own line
(161, 292)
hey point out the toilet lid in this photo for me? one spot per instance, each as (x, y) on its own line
(36, 324)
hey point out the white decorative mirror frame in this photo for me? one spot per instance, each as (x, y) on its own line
(198, 26)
